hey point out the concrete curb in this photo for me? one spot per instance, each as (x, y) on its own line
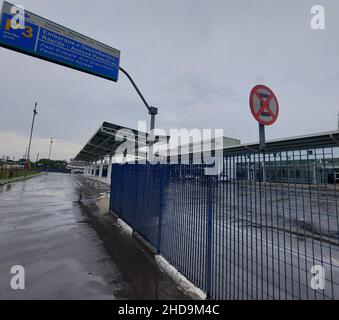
(125, 227)
(186, 285)
(144, 244)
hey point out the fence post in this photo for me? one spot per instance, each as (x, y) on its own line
(136, 194)
(121, 193)
(163, 178)
(209, 235)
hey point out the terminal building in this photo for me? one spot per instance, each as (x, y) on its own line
(308, 159)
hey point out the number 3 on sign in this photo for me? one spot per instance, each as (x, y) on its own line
(28, 33)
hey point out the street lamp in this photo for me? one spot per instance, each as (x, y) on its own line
(151, 110)
(49, 155)
(30, 137)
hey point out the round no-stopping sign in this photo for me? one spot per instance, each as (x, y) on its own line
(264, 105)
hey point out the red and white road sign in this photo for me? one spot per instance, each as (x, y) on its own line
(264, 105)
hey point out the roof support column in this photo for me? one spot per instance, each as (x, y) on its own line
(101, 168)
(109, 170)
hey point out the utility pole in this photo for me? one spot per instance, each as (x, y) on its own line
(37, 157)
(49, 155)
(30, 137)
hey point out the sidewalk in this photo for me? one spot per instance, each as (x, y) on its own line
(137, 266)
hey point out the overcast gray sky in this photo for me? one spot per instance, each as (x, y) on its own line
(196, 60)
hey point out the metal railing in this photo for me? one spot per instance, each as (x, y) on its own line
(7, 173)
(266, 227)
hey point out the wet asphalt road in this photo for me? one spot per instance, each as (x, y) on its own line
(45, 226)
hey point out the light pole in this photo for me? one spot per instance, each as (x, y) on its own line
(49, 155)
(30, 137)
(151, 110)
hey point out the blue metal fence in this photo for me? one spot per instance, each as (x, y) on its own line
(136, 192)
(255, 231)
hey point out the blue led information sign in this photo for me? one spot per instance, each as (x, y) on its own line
(47, 40)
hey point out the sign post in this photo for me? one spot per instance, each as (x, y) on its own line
(262, 140)
(265, 109)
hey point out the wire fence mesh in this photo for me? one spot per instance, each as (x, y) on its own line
(265, 227)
